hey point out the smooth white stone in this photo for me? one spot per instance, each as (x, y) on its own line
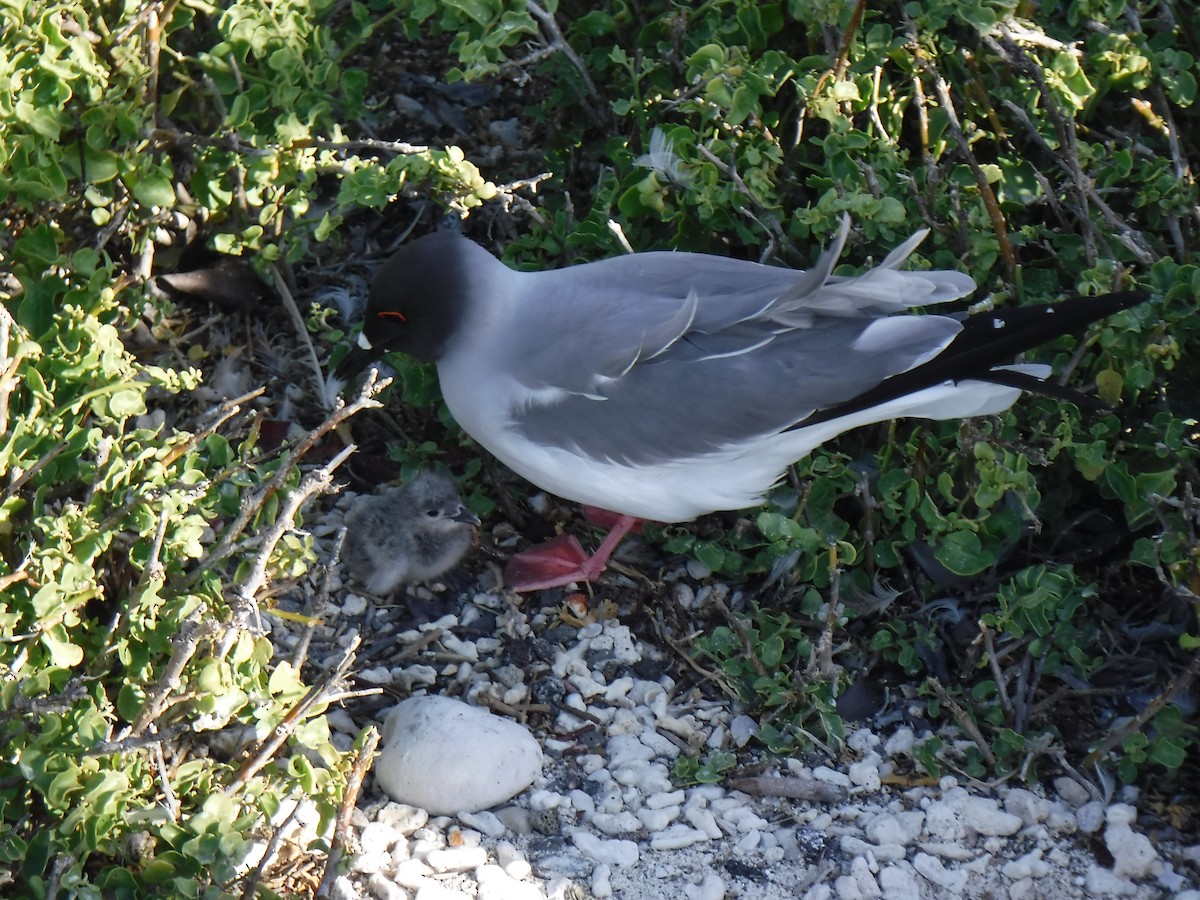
(448, 757)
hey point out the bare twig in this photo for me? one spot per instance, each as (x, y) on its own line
(281, 732)
(316, 608)
(964, 720)
(302, 334)
(341, 833)
(8, 366)
(793, 787)
(985, 634)
(249, 892)
(251, 505)
(244, 602)
(743, 634)
(183, 648)
(990, 203)
(554, 37)
(170, 801)
(1181, 681)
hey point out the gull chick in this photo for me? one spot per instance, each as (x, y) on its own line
(407, 534)
(664, 386)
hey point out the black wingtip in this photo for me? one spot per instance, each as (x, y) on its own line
(992, 339)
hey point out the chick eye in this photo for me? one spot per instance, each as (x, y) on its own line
(432, 513)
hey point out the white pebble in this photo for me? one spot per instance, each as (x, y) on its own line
(379, 675)
(853, 846)
(749, 843)
(932, 870)
(616, 823)
(1133, 854)
(412, 873)
(541, 800)
(744, 819)
(705, 821)
(901, 743)
(601, 885)
(662, 746)
(512, 860)
(613, 852)
(1101, 882)
(860, 884)
(897, 883)
(618, 689)
(984, 816)
(625, 749)
(1031, 865)
(659, 801)
(495, 884)
(484, 822)
(862, 740)
(831, 776)
(711, 888)
(370, 863)
(865, 775)
(677, 837)
(657, 819)
(377, 837)
(1090, 816)
(899, 829)
(1027, 805)
(404, 818)
(456, 859)
(1071, 791)
(582, 801)
(741, 729)
(649, 778)
(385, 889)
(353, 605)
(410, 677)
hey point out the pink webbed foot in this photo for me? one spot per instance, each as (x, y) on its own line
(563, 560)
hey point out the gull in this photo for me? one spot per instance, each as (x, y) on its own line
(666, 385)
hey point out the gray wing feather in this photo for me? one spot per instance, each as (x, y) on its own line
(726, 350)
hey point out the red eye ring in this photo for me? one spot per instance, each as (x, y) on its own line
(394, 315)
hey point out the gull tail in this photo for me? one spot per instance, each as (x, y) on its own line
(989, 340)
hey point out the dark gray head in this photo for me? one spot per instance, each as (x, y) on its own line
(419, 299)
(431, 502)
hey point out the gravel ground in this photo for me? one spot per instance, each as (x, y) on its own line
(605, 819)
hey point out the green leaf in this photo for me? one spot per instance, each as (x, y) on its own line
(153, 188)
(963, 554)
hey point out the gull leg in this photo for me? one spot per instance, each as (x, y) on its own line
(563, 560)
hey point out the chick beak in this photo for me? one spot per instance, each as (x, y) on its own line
(465, 516)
